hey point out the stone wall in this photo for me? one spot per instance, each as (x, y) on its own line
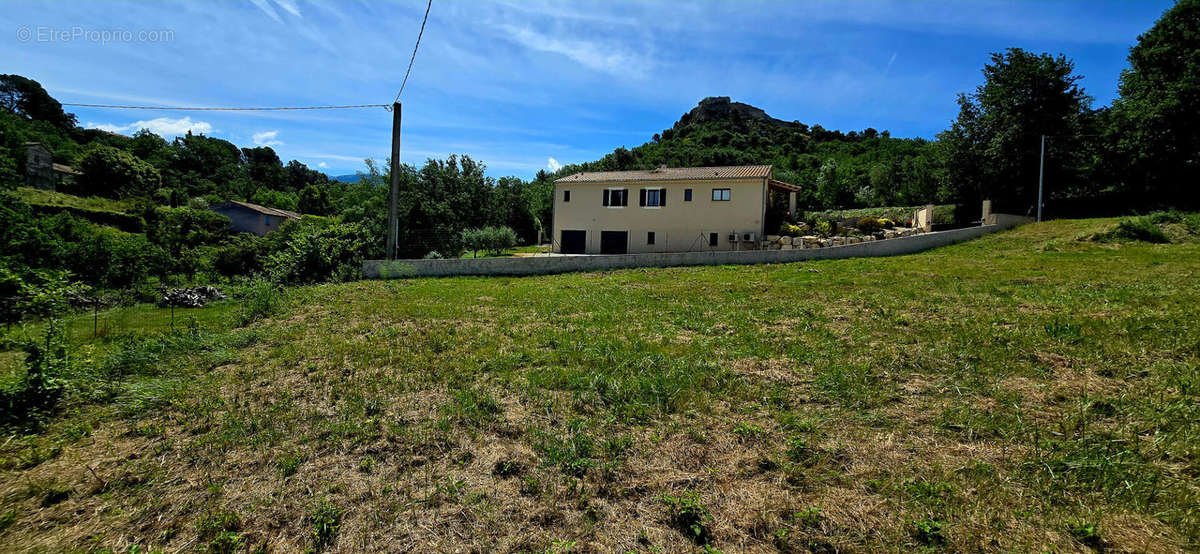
(542, 265)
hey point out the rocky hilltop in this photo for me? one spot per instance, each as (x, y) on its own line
(721, 108)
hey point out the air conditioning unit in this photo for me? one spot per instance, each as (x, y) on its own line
(748, 237)
(733, 237)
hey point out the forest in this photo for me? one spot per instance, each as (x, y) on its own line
(142, 221)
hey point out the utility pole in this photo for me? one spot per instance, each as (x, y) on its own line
(393, 232)
(1041, 173)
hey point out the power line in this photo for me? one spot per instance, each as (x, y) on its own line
(197, 109)
(414, 54)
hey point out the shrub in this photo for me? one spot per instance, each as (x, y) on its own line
(1138, 229)
(242, 254)
(261, 299)
(825, 228)
(868, 225)
(313, 251)
(790, 230)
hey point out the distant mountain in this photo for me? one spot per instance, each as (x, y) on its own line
(353, 178)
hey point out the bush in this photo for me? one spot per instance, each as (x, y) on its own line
(1138, 229)
(790, 230)
(242, 254)
(261, 299)
(868, 225)
(314, 251)
(825, 228)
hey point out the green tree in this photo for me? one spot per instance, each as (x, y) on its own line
(992, 148)
(1155, 128)
(314, 200)
(115, 174)
(26, 98)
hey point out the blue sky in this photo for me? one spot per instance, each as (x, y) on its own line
(526, 84)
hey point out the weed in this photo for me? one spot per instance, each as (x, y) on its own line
(7, 519)
(929, 532)
(507, 468)
(809, 517)
(54, 494)
(1088, 534)
(288, 464)
(689, 516)
(747, 431)
(472, 407)
(259, 300)
(326, 520)
(215, 523)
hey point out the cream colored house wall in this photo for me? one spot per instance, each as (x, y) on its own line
(678, 227)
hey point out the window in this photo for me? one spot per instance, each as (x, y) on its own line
(687, 195)
(653, 198)
(712, 237)
(650, 237)
(566, 196)
(616, 197)
(267, 219)
(721, 194)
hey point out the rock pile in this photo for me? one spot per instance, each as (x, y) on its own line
(191, 297)
(776, 242)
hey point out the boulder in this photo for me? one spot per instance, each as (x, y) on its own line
(786, 241)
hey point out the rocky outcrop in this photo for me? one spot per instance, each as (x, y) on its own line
(721, 108)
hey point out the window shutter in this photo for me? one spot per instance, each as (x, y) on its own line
(606, 194)
(642, 197)
(662, 197)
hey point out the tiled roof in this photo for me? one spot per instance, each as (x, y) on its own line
(264, 210)
(64, 169)
(672, 174)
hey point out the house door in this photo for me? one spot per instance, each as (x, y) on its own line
(614, 242)
(573, 242)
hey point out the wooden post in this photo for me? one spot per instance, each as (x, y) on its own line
(393, 224)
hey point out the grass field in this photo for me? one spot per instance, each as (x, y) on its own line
(1031, 390)
(52, 198)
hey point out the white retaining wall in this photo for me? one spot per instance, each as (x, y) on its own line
(541, 265)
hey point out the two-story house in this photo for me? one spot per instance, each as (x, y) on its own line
(664, 210)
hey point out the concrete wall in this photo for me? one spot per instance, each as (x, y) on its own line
(679, 226)
(383, 269)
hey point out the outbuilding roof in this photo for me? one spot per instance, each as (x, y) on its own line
(261, 209)
(672, 174)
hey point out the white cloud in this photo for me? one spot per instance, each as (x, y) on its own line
(891, 61)
(553, 164)
(289, 6)
(267, 9)
(267, 138)
(602, 57)
(162, 126)
(323, 165)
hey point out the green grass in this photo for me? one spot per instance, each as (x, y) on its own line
(1032, 390)
(39, 197)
